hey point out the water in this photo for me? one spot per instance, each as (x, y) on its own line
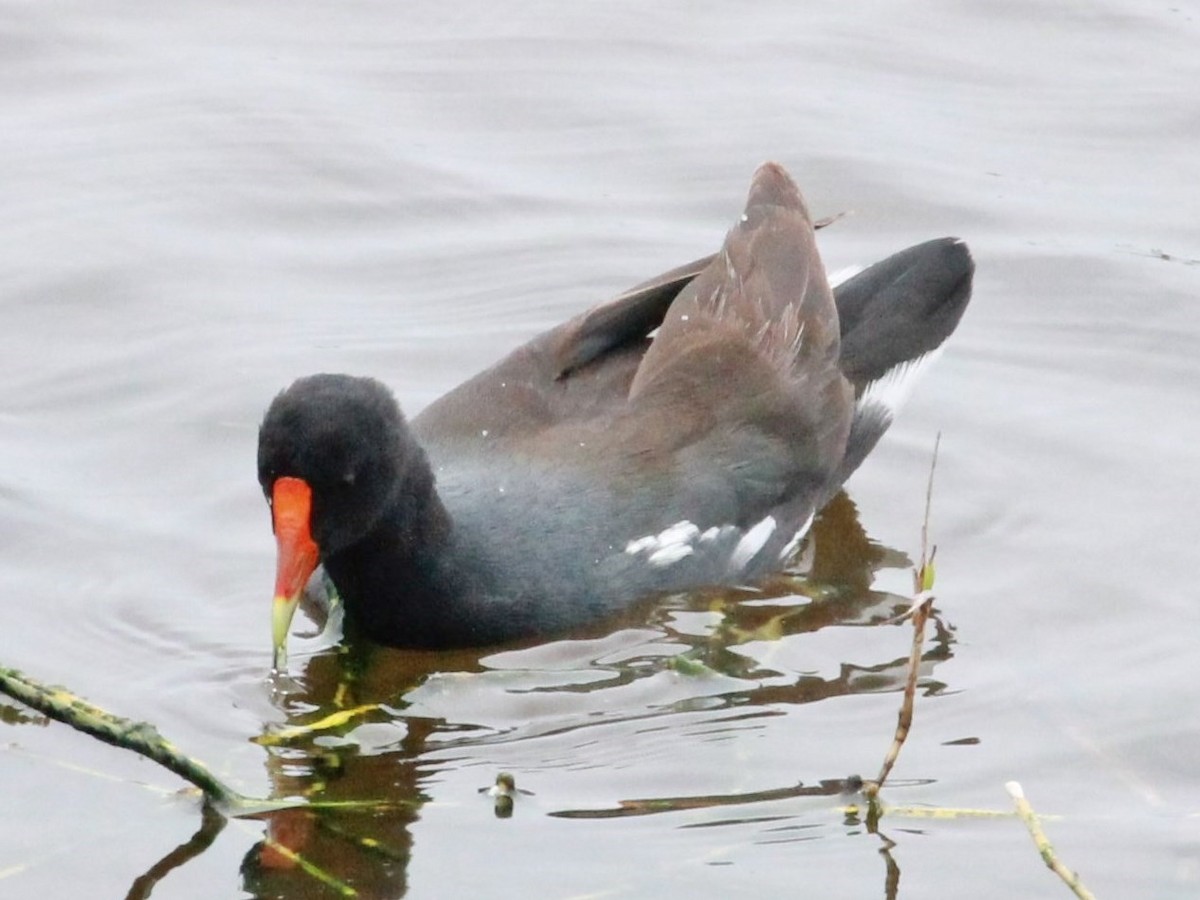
(202, 206)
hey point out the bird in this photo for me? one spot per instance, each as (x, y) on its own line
(683, 434)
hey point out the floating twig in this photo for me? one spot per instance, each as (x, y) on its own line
(1025, 811)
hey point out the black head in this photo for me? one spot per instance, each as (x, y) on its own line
(347, 439)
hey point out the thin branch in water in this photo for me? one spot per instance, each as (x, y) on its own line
(904, 718)
(1025, 811)
(140, 737)
(145, 740)
(923, 578)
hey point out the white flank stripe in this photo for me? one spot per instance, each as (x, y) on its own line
(668, 546)
(889, 392)
(633, 548)
(672, 553)
(791, 545)
(679, 533)
(752, 541)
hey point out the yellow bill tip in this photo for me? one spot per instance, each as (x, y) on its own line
(282, 610)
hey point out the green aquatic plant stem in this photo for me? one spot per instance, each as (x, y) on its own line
(1049, 857)
(140, 737)
(144, 739)
(924, 575)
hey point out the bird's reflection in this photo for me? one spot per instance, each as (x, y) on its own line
(370, 727)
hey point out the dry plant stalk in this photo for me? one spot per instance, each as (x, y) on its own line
(920, 615)
(923, 578)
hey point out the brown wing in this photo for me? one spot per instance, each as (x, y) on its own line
(763, 299)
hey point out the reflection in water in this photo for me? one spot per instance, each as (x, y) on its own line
(401, 706)
(16, 715)
(211, 825)
(827, 787)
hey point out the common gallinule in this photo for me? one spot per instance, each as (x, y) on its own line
(683, 434)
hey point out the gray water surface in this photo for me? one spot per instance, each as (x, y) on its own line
(204, 202)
